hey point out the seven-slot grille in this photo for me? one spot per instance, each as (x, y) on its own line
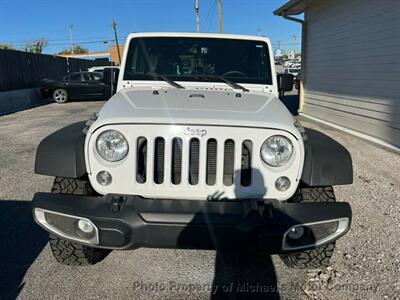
(222, 159)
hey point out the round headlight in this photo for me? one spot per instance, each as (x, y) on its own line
(112, 145)
(276, 150)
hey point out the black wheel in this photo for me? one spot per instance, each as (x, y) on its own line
(67, 252)
(60, 95)
(321, 256)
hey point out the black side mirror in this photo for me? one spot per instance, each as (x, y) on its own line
(297, 82)
(285, 84)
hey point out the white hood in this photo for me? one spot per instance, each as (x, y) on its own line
(196, 107)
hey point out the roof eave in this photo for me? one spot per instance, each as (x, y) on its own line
(291, 8)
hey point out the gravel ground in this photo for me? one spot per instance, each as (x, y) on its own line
(366, 263)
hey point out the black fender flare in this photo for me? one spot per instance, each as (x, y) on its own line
(62, 153)
(326, 161)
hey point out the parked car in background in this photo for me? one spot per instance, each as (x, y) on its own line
(293, 71)
(294, 63)
(295, 66)
(77, 86)
(288, 63)
(102, 68)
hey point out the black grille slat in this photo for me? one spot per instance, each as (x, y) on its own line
(228, 155)
(159, 152)
(211, 169)
(194, 157)
(229, 158)
(176, 163)
(245, 178)
(141, 159)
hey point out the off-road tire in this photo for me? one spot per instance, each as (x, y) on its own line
(67, 252)
(72, 254)
(72, 186)
(321, 256)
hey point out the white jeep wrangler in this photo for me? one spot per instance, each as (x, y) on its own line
(195, 151)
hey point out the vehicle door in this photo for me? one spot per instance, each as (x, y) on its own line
(74, 85)
(94, 85)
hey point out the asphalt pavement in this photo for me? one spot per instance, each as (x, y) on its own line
(366, 263)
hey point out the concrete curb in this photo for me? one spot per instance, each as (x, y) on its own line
(16, 100)
(361, 135)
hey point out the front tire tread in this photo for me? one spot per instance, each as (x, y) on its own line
(67, 252)
(321, 256)
(72, 254)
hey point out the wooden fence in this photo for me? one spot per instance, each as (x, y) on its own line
(20, 70)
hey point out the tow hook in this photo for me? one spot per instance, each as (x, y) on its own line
(117, 203)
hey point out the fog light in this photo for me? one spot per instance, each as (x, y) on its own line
(296, 232)
(104, 178)
(307, 235)
(282, 183)
(85, 226)
(67, 226)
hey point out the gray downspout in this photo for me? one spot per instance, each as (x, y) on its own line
(303, 56)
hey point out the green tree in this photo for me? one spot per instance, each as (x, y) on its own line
(36, 46)
(6, 47)
(76, 49)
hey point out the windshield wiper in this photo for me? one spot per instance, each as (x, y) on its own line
(227, 81)
(166, 79)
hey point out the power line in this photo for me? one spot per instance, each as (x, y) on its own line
(210, 9)
(60, 40)
(68, 44)
(104, 41)
(212, 14)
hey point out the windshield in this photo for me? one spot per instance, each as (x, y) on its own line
(198, 59)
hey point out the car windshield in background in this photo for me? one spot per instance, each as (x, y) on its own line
(198, 59)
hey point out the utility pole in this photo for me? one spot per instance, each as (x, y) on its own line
(295, 43)
(196, 8)
(220, 15)
(279, 45)
(70, 37)
(114, 25)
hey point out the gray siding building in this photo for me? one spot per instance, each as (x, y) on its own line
(351, 64)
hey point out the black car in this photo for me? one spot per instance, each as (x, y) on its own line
(78, 86)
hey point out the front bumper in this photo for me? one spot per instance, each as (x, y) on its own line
(128, 222)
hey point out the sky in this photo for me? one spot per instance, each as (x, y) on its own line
(24, 20)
